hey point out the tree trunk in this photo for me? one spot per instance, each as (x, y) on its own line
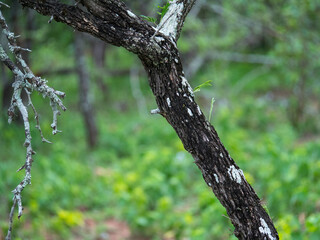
(98, 51)
(84, 90)
(176, 103)
(113, 22)
(7, 90)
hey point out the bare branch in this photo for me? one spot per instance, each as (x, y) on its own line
(8, 237)
(104, 19)
(36, 117)
(111, 21)
(24, 79)
(2, 3)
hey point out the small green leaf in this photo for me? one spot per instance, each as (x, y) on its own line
(205, 84)
(164, 9)
(149, 19)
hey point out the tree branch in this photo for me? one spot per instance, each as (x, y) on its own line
(109, 20)
(24, 79)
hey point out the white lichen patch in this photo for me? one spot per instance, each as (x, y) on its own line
(184, 81)
(131, 14)
(235, 174)
(216, 177)
(221, 155)
(209, 184)
(159, 39)
(169, 23)
(189, 112)
(205, 138)
(186, 84)
(168, 102)
(264, 229)
(177, 93)
(155, 111)
(191, 100)
(199, 110)
(176, 60)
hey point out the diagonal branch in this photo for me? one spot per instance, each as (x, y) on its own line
(110, 20)
(113, 22)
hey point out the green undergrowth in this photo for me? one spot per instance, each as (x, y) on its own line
(141, 174)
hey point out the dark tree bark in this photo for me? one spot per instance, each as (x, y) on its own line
(84, 91)
(113, 22)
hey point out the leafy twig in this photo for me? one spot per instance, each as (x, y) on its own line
(205, 84)
(163, 11)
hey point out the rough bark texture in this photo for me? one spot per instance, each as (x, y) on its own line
(220, 172)
(113, 22)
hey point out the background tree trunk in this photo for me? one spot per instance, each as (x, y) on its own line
(84, 91)
(98, 51)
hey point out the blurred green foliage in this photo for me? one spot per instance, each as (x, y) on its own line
(140, 173)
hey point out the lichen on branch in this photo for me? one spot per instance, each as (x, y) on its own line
(25, 80)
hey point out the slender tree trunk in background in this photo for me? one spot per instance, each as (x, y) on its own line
(30, 27)
(7, 89)
(298, 103)
(84, 91)
(113, 22)
(98, 49)
(136, 90)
